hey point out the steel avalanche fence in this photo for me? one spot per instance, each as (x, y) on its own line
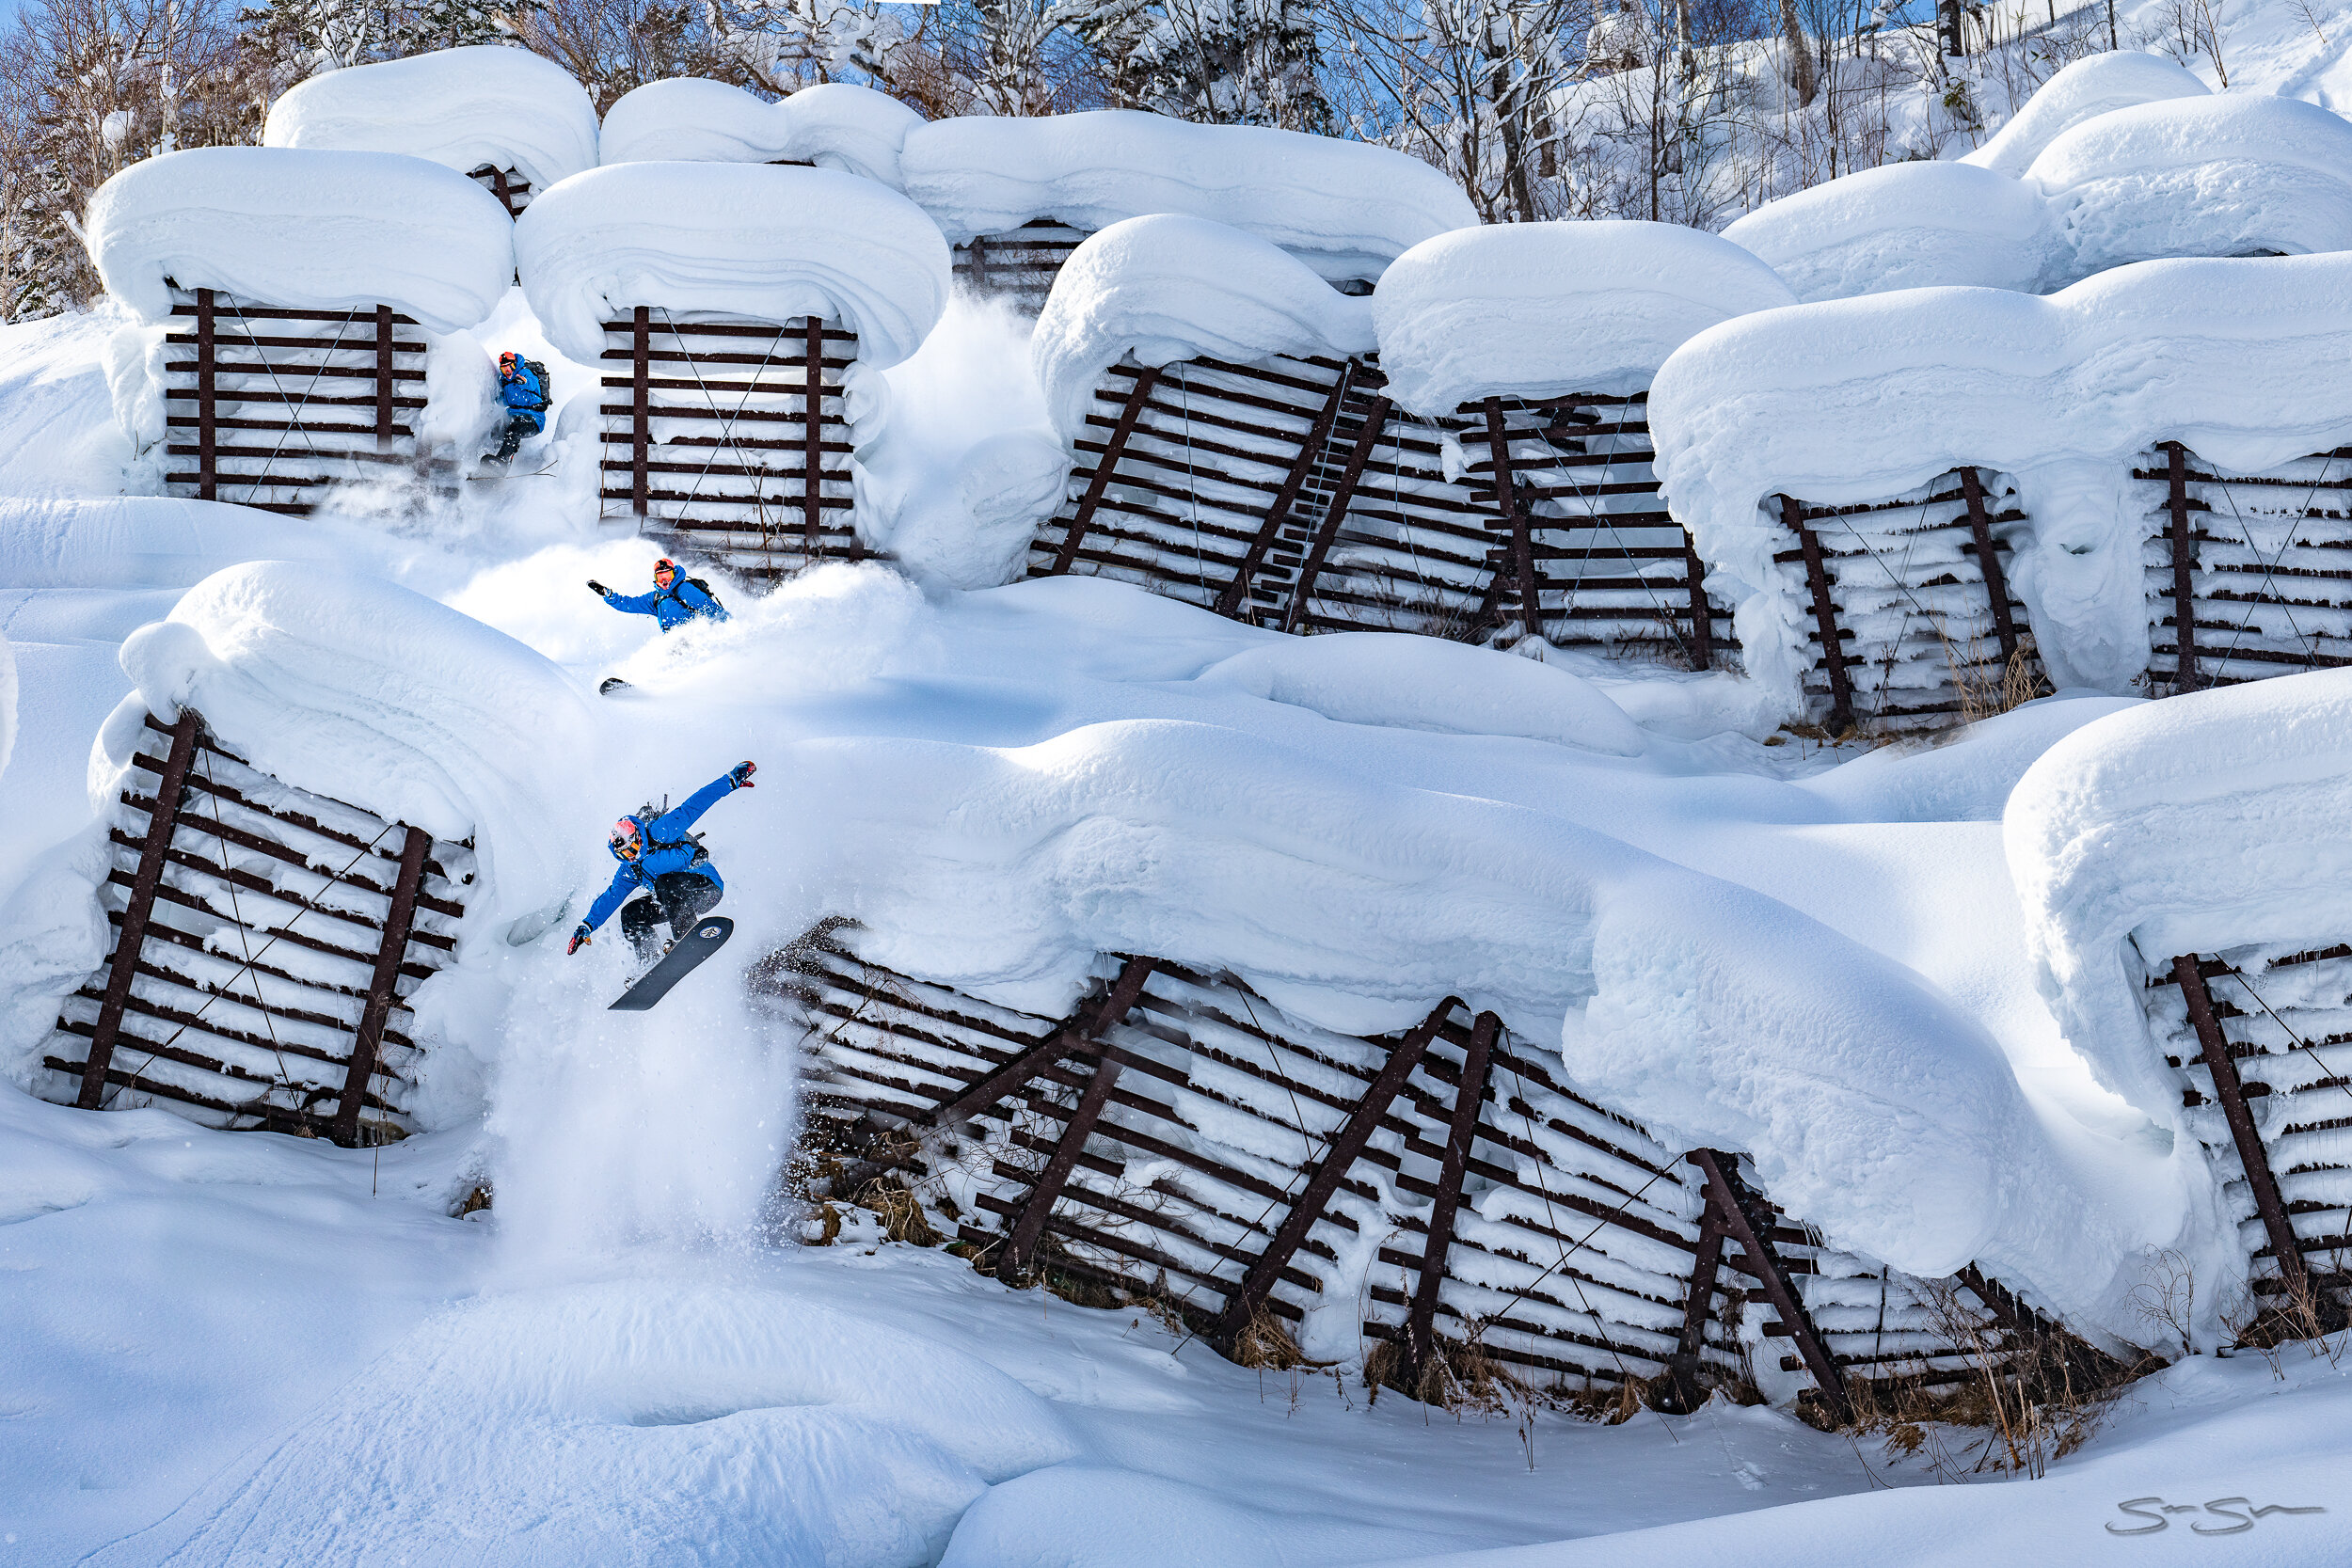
(1295, 495)
(1914, 624)
(264, 943)
(2261, 1037)
(270, 407)
(1180, 1139)
(1019, 264)
(730, 440)
(2248, 575)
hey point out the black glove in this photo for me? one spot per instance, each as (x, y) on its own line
(599, 590)
(741, 774)
(581, 938)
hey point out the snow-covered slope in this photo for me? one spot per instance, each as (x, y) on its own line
(2129, 162)
(1890, 979)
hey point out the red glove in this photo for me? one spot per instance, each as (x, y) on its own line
(579, 940)
(741, 774)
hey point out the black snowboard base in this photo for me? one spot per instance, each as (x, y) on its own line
(612, 683)
(702, 938)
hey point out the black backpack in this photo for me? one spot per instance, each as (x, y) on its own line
(699, 583)
(540, 371)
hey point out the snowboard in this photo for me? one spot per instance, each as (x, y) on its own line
(704, 938)
(612, 683)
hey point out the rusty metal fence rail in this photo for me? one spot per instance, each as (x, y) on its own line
(270, 407)
(1178, 1137)
(266, 940)
(730, 440)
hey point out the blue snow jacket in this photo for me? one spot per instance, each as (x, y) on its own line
(673, 606)
(525, 396)
(666, 850)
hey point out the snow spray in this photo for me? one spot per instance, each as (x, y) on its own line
(621, 1129)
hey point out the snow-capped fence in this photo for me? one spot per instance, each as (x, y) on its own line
(1020, 264)
(730, 436)
(1295, 494)
(1914, 624)
(275, 403)
(733, 305)
(264, 938)
(1179, 1138)
(2247, 575)
(2262, 1041)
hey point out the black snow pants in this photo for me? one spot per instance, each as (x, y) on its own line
(678, 898)
(519, 427)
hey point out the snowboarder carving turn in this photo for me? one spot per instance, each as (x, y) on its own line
(665, 864)
(523, 394)
(676, 598)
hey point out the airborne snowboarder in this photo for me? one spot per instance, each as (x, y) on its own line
(666, 865)
(676, 598)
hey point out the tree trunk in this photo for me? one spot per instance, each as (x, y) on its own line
(1801, 80)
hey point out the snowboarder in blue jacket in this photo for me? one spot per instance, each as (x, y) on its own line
(675, 599)
(523, 393)
(665, 865)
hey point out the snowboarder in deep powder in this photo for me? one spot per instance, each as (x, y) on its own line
(676, 598)
(666, 865)
(523, 391)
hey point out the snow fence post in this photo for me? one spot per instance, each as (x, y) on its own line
(1749, 1223)
(1335, 513)
(1338, 1156)
(1146, 378)
(1522, 557)
(1469, 1096)
(383, 378)
(1310, 449)
(1702, 612)
(1989, 564)
(641, 425)
(813, 437)
(207, 397)
(1683, 1371)
(368, 1039)
(2184, 579)
(1012, 1267)
(1824, 615)
(132, 939)
(2231, 1090)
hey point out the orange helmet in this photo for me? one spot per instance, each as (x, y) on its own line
(628, 839)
